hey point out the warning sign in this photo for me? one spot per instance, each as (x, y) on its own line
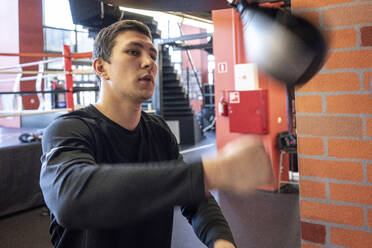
(234, 97)
(222, 67)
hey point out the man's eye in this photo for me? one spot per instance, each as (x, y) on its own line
(153, 57)
(133, 52)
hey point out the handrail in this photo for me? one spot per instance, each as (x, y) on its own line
(73, 55)
(31, 112)
(29, 64)
(49, 72)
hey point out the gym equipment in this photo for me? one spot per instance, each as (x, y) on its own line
(287, 47)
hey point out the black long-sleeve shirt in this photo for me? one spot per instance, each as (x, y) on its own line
(110, 187)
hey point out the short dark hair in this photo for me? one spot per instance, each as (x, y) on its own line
(105, 39)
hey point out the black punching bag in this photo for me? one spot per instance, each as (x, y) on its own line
(287, 47)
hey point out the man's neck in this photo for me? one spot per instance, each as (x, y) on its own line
(125, 113)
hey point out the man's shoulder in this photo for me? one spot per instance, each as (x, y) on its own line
(86, 112)
(75, 120)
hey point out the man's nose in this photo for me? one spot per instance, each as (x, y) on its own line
(148, 62)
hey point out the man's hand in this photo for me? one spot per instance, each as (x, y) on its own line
(241, 167)
(221, 243)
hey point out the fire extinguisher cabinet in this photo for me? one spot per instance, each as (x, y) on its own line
(248, 111)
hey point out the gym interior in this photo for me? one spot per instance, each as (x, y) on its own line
(210, 89)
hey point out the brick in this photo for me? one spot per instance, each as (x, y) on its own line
(310, 146)
(331, 82)
(369, 173)
(366, 36)
(370, 218)
(350, 238)
(369, 126)
(312, 17)
(340, 214)
(312, 189)
(341, 38)
(349, 104)
(304, 4)
(349, 171)
(351, 193)
(349, 59)
(309, 104)
(348, 15)
(344, 148)
(313, 232)
(304, 245)
(338, 126)
(367, 80)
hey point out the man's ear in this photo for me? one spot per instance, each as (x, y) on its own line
(100, 68)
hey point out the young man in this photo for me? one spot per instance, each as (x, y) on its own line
(112, 174)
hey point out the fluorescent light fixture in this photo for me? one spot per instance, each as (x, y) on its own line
(196, 22)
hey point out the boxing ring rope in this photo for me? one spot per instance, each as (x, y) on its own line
(40, 75)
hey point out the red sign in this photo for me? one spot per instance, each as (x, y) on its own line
(222, 67)
(234, 97)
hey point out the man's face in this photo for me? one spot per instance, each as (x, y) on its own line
(132, 68)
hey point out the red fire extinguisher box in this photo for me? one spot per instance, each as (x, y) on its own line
(248, 111)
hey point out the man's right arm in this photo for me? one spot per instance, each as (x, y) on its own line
(72, 182)
(83, 194)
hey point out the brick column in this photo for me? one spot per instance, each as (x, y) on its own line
(334, 126)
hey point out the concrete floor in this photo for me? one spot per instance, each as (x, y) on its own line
(263, 220)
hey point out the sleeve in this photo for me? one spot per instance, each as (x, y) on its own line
(82, 194)
(207, 220)
(205, 216)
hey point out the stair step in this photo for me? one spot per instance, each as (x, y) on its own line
(168, 69)
(176, 114)
(173, 93)
(167, 63)
(175, 102)
(170, 76)
(177, 108)
(170, 97)
(173, 87)
(171, 82)
(174, 106)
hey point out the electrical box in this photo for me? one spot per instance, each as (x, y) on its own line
(248, 111)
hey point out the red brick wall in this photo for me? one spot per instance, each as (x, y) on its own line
(334, 126)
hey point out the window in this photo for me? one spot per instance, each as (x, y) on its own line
(59, 30)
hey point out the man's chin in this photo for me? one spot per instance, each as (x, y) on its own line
(144, 97)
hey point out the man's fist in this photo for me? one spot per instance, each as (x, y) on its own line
(241, 167)
(221, 243)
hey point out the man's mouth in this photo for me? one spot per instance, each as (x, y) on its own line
(147, 78)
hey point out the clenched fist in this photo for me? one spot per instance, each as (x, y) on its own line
(221, 243)
(241, 167)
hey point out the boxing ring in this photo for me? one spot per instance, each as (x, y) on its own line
(20, 162)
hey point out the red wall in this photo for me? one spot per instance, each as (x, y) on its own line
(30, 41)
(199, 57)
(21, 21)
(228, 48)
(8, 44)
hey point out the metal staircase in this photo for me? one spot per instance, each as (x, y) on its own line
(175, 100)
(175, 104)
